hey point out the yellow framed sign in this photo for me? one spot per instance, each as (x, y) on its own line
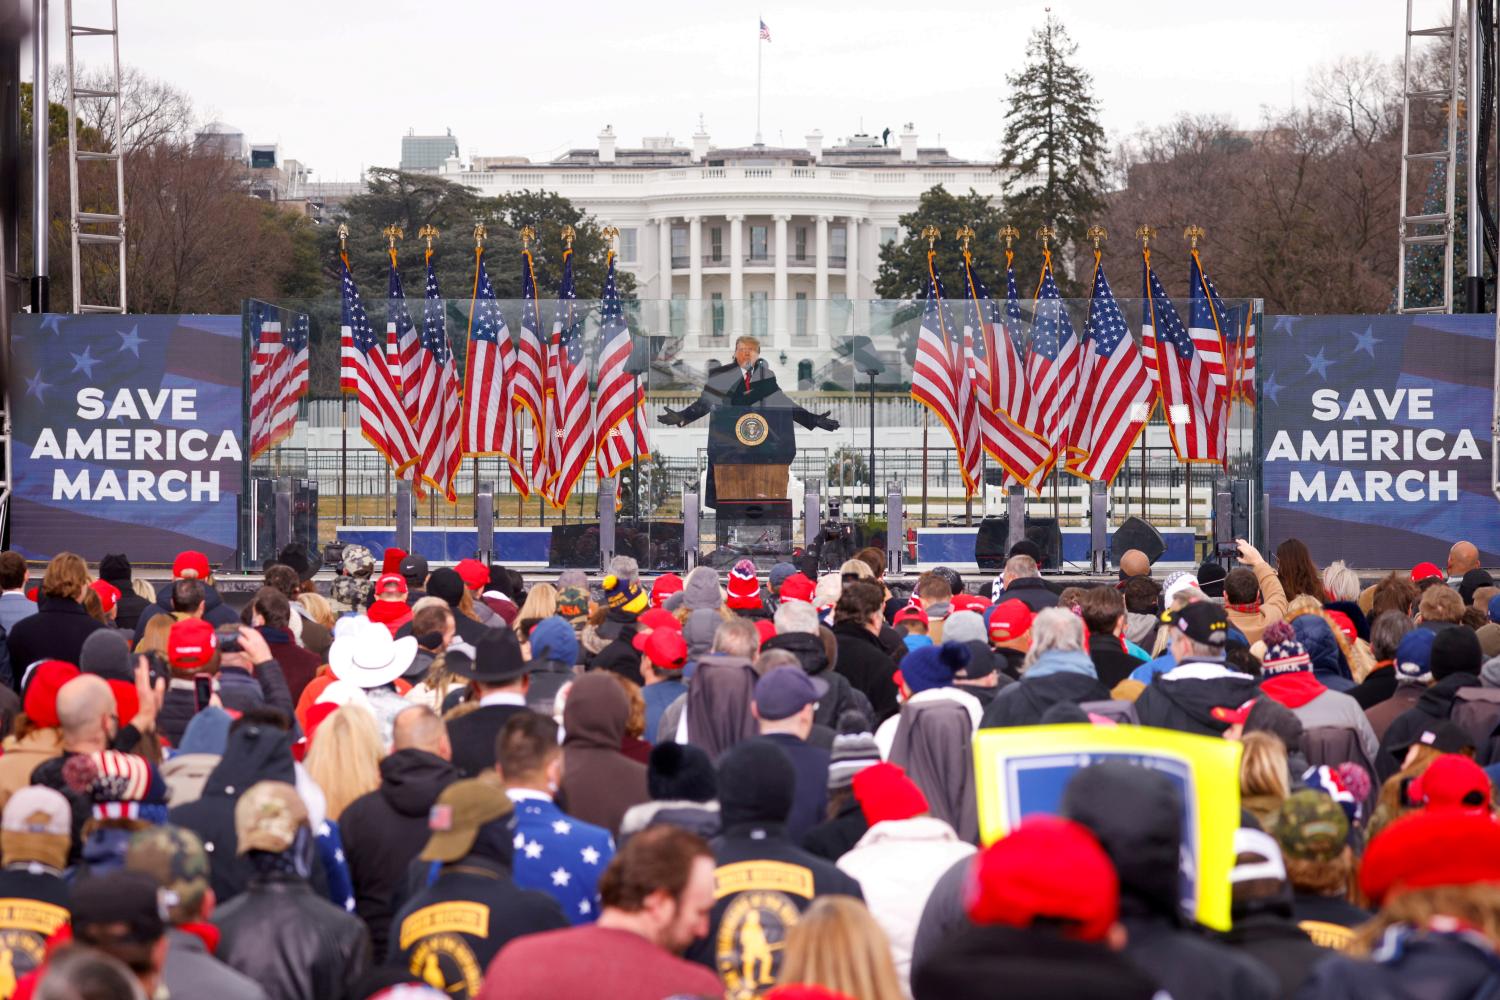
(1023, 770)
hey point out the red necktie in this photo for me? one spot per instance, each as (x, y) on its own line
(747, 380)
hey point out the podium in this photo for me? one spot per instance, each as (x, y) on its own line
(750, 449)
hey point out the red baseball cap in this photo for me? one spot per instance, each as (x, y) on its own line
(1047, 868)
(654, 618)
(127, 699)
(1345, 624)
(109, 594)
(1421, 571)
(391, 580)
(664, 587)
(1430, 848)
(1233, 716)
(797, 587)
(664, 647)
(911, 612)
(47, 678)
(474, 573)
(191, 644)
(196, 562)
(1009, 620)
(1453, 781)
(968, 602)
(766, 628)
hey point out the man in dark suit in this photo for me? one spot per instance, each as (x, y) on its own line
(747, 383)
(498, 678)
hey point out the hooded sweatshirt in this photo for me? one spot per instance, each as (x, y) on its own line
(599, 782)
(1137, 816)
(1055, 676)
(1329, 664)
(716, 715)
(811, 653)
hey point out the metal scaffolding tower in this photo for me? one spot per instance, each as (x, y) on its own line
(100, 229)
(1429, 228)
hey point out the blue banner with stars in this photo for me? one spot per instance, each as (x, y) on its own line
(128, 436)
(1376, 436)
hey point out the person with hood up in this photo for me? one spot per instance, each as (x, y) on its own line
(626, 601)
(1287, 676)
(765, 881)
(498, 680)
(900, 857)
(1042, 909)
(188, 565)
(1412, 666)
(1137, 816)
(115, 570)
(1455, 663)
(799, 632)
(1432, 874)
(259, 749)
(715, 713)
(279, 932)
(385, 829)
(684, 793)
(553, 663)
(700, 591)
(1056, 669)
(932, 737)
(599, 782)
(1184, 697)
(1253, 595)
(1261, 909)
(556, 852)
(1329, 663)
(473, 836)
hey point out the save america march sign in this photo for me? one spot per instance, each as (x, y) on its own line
(1375, 435)
(127, 435)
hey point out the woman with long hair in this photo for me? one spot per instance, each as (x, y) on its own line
(1265, 781)
(154, 637)
(838, 945)
(61, 622)
(344, 758)
(541, 602)
(1297, 571)
(318, 608)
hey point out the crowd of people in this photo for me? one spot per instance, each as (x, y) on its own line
(433, 782)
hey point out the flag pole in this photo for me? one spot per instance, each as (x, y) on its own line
(1146, 234)
(758, 59)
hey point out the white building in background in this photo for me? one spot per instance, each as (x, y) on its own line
(782, 243)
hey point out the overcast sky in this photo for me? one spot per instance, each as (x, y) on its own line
(337, 83)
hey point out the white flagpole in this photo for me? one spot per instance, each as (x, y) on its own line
(758, 48)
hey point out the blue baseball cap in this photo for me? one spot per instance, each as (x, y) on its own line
(1414, 655)
(1494, 608)
(785, 691)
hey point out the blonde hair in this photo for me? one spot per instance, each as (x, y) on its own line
(317, 605)
(838, 945)
(67, 576)
(857, 567)
(143, 589)
(830, 587)
(344, 758)
(1263, 774)
(541, 602)
(93, 604)
(154, 635)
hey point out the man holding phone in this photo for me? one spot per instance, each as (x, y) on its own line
(233, 660)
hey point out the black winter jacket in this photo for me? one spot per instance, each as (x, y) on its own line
(1434, 706)
(867, 666)
(254, 753)
(1111, 661)
(215, 611)
(841, 696)
(1187, 704)
(385, 829)
(833, 838)
(1265, 930)
(1031, 591)
(1429, 966)
(296, 945)
(972, 962)
(55, 632)
(1024, 703)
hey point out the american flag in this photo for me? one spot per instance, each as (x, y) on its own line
(381, 418)
(765, 32)
(617, 409)
(296, 337)
(270, 368)
(570, 415)
(1051, 367)
(1239, 343)
(433, 395)
(1204, 314)
(529, 388)
(401, 341)
(1019, 453)
(1008, 359)
(935, 375)
(1117, 394)
(489, 425)
(1189, 400)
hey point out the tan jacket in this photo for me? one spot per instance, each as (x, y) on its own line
(1272, 608)
(22, 756)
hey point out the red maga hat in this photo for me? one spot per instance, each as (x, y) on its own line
(1047, 868)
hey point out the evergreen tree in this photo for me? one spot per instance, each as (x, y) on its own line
(903, 263)
(1053, 150)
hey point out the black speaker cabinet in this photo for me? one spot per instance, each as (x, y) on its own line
(1136, 533)
(656, 545)
(989, 544)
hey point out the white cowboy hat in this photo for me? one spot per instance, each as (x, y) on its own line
(367, 657)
